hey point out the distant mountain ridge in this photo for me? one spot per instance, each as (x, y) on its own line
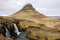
(56, 17)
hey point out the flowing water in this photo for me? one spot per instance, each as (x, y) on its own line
(16, 29)
(7, 34)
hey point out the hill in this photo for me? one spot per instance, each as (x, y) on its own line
(29, 13)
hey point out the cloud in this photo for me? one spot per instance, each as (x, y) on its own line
(47, 3)
(48, 7)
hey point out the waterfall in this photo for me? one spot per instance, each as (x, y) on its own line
(16, 29)
(7, 34)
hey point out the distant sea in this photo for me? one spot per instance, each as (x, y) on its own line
(55, 17)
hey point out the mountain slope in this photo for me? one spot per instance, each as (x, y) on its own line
(29, 13)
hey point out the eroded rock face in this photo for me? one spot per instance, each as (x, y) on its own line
(7, 27)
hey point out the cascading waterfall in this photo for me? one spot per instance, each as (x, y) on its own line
(16, 29)
(7, 34)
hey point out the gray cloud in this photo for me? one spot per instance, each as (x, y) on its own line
(47, 7)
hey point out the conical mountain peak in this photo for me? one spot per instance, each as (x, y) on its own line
(28, 7)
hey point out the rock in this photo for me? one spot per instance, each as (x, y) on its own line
(4, 38)
(7, 28)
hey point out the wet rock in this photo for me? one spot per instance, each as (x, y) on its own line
(4, 38)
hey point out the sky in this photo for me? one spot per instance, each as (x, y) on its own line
(46, 7)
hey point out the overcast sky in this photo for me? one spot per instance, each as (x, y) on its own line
(47, 7)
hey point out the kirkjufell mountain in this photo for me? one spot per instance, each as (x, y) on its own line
(29, 13)
(40, 27)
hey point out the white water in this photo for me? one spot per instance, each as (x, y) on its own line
(7, 33)
(16, 29)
